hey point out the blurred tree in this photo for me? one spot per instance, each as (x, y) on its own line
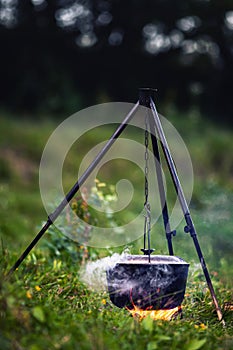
(62, 55)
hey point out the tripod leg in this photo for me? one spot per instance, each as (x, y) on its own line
(190, 226)
(161, 190)
(52, 217)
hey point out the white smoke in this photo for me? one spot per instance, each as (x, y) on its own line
(93, 274)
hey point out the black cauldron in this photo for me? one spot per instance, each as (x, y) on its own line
(157, 285)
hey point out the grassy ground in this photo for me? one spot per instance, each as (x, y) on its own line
(46, 306)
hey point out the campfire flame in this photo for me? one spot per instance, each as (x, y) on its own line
(161, 314)
(166, 315)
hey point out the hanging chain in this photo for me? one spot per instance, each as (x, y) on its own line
(147, 224)
(146, 161)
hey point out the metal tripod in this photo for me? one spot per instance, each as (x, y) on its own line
(146, 100)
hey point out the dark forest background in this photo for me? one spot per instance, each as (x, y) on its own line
(60, 56)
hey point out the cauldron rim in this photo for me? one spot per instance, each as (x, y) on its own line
(154, 260)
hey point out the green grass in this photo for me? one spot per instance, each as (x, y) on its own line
(45, 305)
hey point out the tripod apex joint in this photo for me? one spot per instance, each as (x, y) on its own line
(145, 94)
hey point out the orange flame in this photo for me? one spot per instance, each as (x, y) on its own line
(166, 314)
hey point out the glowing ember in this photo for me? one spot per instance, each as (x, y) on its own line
(166, 315)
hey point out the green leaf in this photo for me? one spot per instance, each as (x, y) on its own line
(163, 337)
(148, 324)
(196, 344)
(38, 313)
(152, 345)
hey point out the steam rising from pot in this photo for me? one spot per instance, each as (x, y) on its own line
(93, 274)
